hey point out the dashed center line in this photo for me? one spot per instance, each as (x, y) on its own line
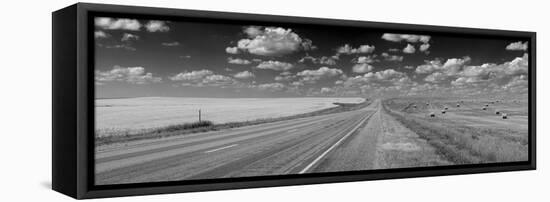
(221, 148)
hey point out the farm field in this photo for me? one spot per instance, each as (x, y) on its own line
(467, 130)
(151, 112)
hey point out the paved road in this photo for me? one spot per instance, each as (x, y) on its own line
(305, 145)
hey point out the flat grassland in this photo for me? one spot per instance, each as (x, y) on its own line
(134, 115)
(467, 133)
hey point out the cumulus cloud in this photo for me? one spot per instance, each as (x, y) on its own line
(385, 75)
(424, 47)
(451, 67)
(518, 84)
(454, 65)
(129, 37)
(315, 75)
(327, 90)
(517, 46)
(409, 49)
(244, 75)
(273, 87)
(218, 80)
(411, 38)
(362, 68)
(324, 60)
(191, 76)
(117, 24)
(379, 80)
(238, 61)
(435, 77)
(271, 41)
(429, 66)
(100, 34)
(348, 50)
(203, 78)
(157, 26)
(365, 59)
(232, 50)
(133, 75)
(285, 76)
(173, 43)
(275, 65)
(393, 58)
(125, 46)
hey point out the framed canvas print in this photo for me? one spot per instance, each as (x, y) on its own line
(154, 100)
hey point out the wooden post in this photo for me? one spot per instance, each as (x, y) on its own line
(199, 115)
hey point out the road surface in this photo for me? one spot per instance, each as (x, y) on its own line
(327, 143)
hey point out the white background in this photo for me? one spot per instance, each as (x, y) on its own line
(25, 76)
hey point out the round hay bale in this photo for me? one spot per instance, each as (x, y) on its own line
(497, 112)
(443, 111)
(432, 114)
(504, 116)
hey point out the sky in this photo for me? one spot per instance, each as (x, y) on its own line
(151, 57)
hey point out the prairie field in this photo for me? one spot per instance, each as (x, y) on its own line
(128, 114)
(467, 131)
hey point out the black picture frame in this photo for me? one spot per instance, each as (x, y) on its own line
(73, 104)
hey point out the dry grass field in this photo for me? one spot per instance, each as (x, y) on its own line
(134, 115)
(467, 131)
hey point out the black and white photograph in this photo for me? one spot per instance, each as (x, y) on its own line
(180, 100)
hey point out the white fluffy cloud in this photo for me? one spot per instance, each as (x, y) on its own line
(409, 49)
(129, 37)
(435, 77)
(365, 59)
(424, 47)
(327, 90)
(386, 75)
(348, 50)
(406, 37)
(362, 68)
(133, 75)
(244, 75)
(274, 87)
(204, 77)
(100, 34)
(275, 65)
(192, 76)
(232, 50)
(173, 43)
(108, 23)
(157, 26)
(324, 60)
(384, 78)
(517, 46)
(271, 41)
(323, 72)
(394, 58)
(451, 67)
(217, 80)
(238, 61)
(115, 24)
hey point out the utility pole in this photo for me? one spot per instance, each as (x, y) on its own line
(199, 115)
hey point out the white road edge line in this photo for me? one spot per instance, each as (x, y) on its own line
(333, 146)
(293, 130)
(218, 149)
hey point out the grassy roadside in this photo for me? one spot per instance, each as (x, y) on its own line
(103, 137)
(462, 144)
